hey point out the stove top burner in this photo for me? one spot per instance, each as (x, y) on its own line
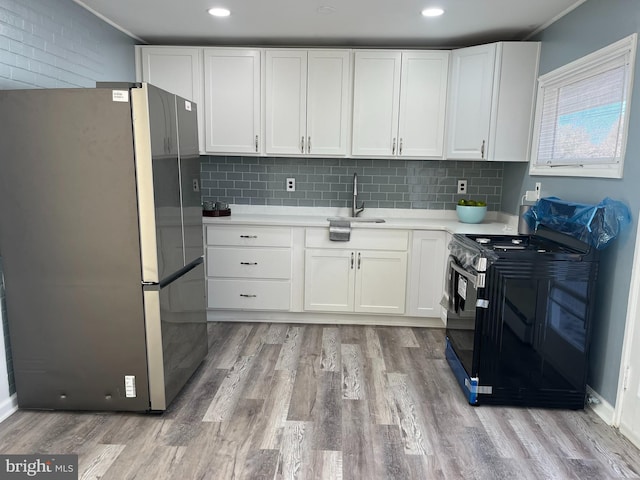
(477, 251)
(509, 243)
(502, 243)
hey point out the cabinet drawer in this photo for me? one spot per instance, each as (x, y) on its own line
(249, 262)
(248, 236)
(361, 239)
(248, 294)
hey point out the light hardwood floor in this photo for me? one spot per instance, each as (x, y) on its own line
(276, 401)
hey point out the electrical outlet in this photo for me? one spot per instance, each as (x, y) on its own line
(533, 195)
(462, 186)
(291, 185)
(196, 185)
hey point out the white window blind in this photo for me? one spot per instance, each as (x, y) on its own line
(582, 114)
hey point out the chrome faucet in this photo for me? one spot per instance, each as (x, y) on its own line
(355, 211)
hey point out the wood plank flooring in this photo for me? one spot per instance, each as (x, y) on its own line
(276, 401)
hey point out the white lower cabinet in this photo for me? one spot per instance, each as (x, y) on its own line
(381, 282)
(355, 281)
(426, 273)
(381, 271)
(370, 277)
(236, 294)
(329, 280)
(249, 267)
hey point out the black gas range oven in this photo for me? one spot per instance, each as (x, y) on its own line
(519, 312)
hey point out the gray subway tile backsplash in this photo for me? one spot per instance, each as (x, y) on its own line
(326, 182)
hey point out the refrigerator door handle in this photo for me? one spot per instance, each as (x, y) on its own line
(179, 273)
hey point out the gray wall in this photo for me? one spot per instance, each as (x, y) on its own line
(57, 44)
(591, 26)
(328, 182)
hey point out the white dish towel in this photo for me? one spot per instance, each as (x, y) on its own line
(339, 230)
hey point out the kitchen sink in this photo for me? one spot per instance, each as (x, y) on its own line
(357, 219)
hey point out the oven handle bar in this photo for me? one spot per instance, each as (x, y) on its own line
(473, 278)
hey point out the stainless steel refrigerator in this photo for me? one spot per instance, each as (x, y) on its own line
(101, 239)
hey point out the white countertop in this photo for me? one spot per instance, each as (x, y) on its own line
(495, 223)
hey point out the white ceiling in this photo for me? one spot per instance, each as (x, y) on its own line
(350, 23)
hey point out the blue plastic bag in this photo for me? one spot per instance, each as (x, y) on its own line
(596, 225)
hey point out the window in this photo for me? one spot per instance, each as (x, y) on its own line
(582, 114)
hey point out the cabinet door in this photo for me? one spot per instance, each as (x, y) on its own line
(470, 95)
(162, 118)
(329, 280)
(176, 70)
(426, 274)
(376, 94)
(232, 98)
(328, 102)
(423, 99)
(381, 281)
(513, 104)
(286, 101)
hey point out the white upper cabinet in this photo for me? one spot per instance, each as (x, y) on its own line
(470, 102)
(376, 93)
(423, 100)
(328, 101)
(286, 101)
(405, 102)
(232, 100)
(491, 101)
(177, 70)
(307, 102)
(399, 103)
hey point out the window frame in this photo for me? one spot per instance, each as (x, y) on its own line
(592, 64)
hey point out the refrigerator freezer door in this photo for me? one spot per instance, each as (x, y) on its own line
(69, 241)
(176, 332)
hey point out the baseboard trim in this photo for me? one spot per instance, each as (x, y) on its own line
(600, 406)
(8, 407)
(631, 435)
(322, 318)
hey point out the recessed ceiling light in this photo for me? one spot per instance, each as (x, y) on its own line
(325, 10)
(432, 12)
(219, 12)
